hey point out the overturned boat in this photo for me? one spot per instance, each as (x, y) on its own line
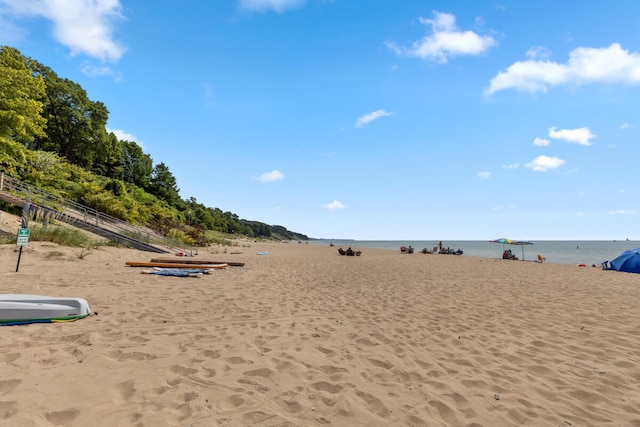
(23, 308)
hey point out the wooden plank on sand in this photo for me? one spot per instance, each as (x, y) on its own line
(196, 261)
(173, 265)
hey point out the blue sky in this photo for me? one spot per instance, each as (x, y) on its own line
(385, 120)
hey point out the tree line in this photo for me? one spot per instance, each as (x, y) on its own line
(51, 131)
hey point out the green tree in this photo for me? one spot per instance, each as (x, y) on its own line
(108, 156)
(12, 155)
(163, 185)
(21, 97)
(136, 165)
(75, 124)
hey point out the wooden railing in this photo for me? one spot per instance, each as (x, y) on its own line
(55, 207)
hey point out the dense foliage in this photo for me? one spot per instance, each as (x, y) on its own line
(53, 136)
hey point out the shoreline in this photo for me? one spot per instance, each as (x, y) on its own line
(569, 252)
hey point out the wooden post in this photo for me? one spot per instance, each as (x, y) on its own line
(25, 214)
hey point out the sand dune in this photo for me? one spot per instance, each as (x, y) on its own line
(305, 337)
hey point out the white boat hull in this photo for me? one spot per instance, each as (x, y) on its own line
(24, 307)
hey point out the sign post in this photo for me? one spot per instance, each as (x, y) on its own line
(21, 241)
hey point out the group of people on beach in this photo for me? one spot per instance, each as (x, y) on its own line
(507, 254)
(440, 249)
(349, 252)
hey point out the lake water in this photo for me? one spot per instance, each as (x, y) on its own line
(587, 252)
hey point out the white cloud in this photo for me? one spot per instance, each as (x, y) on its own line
(274, 175)
(626, 125)
(538, 52)
(511, 166)
(445, 41)
(544, 163)
(540, 142)
(84, 26)
(277, 5)
(123, 136)
(93, 71)
(371, 117)
(483, 175)
(335, 205)
(622, 212)
(580, 136)
(585, 65)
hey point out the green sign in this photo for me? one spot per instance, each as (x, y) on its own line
(23, 237)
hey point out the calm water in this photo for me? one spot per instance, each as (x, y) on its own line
(587, 252)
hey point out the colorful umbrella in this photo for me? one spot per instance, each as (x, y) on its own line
(503, 241)
(506, 241)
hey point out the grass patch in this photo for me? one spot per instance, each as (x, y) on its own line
(64, 236)
(7, 238)
(222, 239)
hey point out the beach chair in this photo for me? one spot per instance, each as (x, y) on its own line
(541, 258)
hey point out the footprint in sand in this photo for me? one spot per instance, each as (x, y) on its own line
(8, 409)
(366, 342)
(261, 372)
(124, 391)
(182, 370)
(211, 354)
(238, 361)
(8, 385)
(331, 370)
(446, 413)
(327, 387)
(65, 417)
(291, 406)
(380, 364)
(232, 402)
(139, 339)
(374, 404)
(414, 421)
(9, 358)
(259, 418)
(326, 351)
(282, 365)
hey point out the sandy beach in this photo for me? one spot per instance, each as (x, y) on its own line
(302, 336)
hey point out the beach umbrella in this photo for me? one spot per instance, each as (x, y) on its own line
(502, 240)
(522, 243)
(628, 261)
(506, 241)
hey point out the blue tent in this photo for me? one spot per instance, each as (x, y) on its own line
(628, 261)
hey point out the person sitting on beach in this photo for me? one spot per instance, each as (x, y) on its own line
(511, 255)
(350, 252)
(505, 255)
(341, 251)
